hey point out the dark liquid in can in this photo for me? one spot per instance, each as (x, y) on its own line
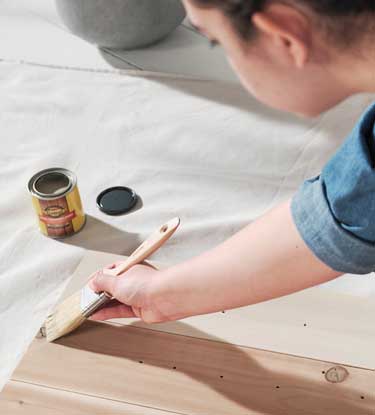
(52, 184)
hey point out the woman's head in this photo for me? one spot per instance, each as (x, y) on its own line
(302, 56)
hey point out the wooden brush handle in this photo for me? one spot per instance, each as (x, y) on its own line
(149, 246)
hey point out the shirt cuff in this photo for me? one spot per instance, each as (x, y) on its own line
(333, 245)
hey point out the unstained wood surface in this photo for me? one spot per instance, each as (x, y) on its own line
(103, 366)
(20, 398)
(315, 323)
(120, 368)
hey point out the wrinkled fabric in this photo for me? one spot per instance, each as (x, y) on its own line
(335, 211)
(34, 271)
(203, 151)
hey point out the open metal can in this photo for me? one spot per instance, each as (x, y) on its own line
(57, 202)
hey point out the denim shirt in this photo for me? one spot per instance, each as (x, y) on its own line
(335, 212)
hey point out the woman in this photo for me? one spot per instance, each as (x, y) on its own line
(301, 56)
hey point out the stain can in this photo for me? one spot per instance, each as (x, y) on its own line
(57, 202)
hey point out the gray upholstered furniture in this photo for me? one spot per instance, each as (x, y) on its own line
(123, 24)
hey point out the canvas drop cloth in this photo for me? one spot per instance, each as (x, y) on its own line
(203, 151)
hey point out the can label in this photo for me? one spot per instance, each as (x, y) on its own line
(59, 216)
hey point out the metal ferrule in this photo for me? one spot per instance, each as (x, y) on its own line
(91, 308)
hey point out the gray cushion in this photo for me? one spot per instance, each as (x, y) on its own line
(124, 24)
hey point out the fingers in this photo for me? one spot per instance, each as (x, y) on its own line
(102, 282)
(137, 312)
(116, 310)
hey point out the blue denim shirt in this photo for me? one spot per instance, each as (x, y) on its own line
(335, 212)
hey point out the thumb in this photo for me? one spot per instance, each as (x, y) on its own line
(102, 282)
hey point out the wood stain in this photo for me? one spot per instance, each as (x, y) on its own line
(57, 202)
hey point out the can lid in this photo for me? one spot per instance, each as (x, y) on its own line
(116, 200)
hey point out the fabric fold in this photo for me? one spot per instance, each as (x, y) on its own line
(34, 272)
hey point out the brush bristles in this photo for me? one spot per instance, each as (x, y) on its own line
(66, 318)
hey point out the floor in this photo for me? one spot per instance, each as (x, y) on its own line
(32, 31)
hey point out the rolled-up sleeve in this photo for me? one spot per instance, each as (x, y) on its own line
(335, 212)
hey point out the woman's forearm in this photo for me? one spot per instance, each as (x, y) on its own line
(265, 260)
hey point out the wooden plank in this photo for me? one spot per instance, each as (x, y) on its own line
(191, 376)
(20, 398)
(315, 323)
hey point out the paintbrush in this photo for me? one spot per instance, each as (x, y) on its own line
(72, 312)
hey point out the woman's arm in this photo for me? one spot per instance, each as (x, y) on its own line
(265, 260)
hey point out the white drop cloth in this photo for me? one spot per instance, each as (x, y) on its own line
(201, 150)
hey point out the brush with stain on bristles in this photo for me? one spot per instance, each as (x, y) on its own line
(72, 312)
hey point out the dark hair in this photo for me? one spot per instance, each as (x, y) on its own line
(338, 15)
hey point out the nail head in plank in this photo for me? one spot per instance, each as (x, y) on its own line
(99, 359)
(20, 398)
(335, 330)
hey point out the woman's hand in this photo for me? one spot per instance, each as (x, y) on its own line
(265, 260)
(134, 294)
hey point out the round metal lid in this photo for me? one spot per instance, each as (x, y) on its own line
(116, 200)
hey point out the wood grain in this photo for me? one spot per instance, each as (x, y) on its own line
(131, 368)
(20, 398)
(190, 375)
(315, 323)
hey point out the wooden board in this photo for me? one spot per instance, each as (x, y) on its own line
(316, 323)
(20, 398)
(120, 368)
(189, 375)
